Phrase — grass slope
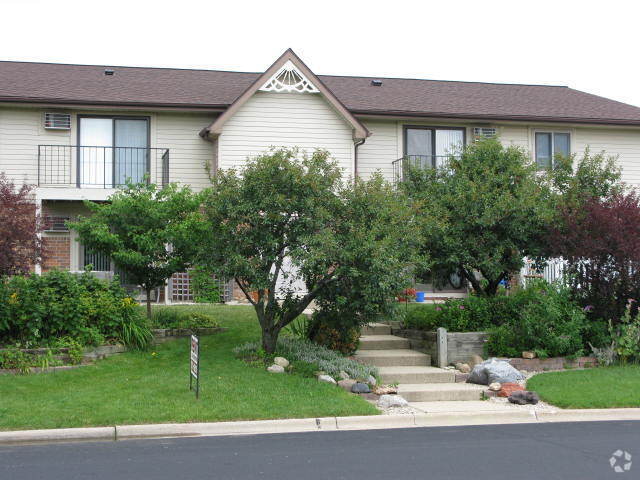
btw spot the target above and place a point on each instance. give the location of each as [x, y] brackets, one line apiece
[139, 387]
[610, 387]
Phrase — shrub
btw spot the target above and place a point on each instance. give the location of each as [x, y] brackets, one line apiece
[543, 317]
[298, 350]
[549, 323]
[42, 308]
[336, 331]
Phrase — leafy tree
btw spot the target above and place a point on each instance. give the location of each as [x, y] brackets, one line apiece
[374, 240]
[285, 221]
[575, 180]
[600, 241]
[20, 244]
[145, 230]
[485, 210]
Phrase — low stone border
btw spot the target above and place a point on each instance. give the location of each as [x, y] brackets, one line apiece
[553, 363]
[105, 351]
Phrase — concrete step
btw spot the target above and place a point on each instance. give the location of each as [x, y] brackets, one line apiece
[436, 392]
[376, 329]
[383, 342]
[414, 374]
[393, 358]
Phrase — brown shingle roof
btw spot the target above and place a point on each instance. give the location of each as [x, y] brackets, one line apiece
[85, 84]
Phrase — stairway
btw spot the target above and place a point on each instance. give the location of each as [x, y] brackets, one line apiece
[417, 380]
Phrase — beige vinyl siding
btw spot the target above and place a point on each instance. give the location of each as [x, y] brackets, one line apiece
[285, 120]
[379, 150]
[624, 143]
[515, 135]
[21, 131]
[189, 154]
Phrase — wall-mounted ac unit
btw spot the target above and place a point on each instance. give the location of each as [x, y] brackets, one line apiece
[57, 121]
[484, 132]
[55, 224]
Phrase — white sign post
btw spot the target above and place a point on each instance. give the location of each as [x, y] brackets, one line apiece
[194, 364]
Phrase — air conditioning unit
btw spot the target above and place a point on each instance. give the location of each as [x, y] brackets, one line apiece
[57, 121]
[55, 224]
[484, 132]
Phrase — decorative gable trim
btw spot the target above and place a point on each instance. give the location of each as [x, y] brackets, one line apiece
[360, 132]
[289, 79]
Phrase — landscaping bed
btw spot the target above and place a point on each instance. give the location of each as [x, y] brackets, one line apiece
[141, 387]
[605, 387]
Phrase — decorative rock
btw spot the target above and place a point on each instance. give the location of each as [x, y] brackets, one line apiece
[463, 367]
[494, 370]
[385, 390]
[326, 379]
[391, 401]
[346, 384]
[524, 397]
[529, 355]
[508, 388]
[275, 369]
[490, 394]
[283, 362]
[360, 388]
[344, 375]
[371, 380]
[495, 387]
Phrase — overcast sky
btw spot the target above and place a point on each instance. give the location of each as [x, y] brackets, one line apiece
[588, 45]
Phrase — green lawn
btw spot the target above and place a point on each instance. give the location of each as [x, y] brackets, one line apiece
[139, 387]
[606, 387]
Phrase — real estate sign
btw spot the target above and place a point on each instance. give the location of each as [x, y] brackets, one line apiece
[194, 365]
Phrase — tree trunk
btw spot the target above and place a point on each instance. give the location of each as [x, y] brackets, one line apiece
[148, 303]
[269, 340]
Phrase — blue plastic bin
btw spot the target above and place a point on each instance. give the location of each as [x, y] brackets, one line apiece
[419, 297]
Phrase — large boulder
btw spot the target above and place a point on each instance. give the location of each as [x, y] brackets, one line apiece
[391, 401]
[494, 370]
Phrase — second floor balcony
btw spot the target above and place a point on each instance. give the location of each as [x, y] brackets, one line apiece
[76, 166]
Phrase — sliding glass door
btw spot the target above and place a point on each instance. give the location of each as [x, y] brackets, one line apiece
[430, 146]
[112, 151]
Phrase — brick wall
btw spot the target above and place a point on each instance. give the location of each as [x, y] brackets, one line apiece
[58, 252]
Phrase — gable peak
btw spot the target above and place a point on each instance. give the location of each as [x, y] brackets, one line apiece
[289, 79]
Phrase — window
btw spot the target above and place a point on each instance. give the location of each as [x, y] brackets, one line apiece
[430, 146]
[112, 150]
[550, 144]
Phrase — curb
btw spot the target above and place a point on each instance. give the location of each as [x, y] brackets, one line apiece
[257, 427]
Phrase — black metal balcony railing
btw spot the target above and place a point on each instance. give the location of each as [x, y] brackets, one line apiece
[101, 167]
[402, 165]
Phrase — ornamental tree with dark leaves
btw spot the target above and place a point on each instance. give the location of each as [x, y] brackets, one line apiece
[600, 240]
[21, 247]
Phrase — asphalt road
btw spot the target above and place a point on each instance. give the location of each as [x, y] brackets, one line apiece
[564, 451]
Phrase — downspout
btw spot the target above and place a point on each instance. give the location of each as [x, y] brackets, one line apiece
[355, 158]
